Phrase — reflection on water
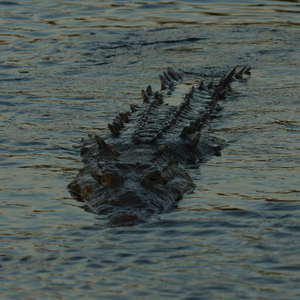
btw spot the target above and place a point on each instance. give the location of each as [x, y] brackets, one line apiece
[66, 68]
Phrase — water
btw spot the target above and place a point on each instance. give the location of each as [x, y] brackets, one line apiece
[67, 68]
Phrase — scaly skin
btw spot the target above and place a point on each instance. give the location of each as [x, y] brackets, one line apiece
[135, 170]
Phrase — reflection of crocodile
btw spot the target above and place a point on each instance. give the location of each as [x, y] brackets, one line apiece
[133, 172]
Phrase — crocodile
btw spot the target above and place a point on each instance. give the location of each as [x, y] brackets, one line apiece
[138, 168]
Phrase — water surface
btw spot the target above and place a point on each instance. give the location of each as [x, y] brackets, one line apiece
[67, 68]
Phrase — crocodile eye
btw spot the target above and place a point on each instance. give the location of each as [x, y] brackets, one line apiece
[107, 179]
[104, 180]
[159, 177]
[154, 176]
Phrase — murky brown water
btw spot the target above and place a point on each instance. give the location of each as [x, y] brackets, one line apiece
[67, 68]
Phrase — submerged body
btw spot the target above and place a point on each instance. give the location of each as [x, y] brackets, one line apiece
[136, 170]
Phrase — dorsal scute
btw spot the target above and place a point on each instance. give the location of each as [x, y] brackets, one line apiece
[102, 144]
[156, 117]
[219, 92]
[172, 74]
[240, 73]
[149, 91]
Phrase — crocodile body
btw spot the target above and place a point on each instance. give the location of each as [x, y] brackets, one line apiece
[135, 170]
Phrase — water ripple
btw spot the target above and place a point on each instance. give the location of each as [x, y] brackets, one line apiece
[66, 69]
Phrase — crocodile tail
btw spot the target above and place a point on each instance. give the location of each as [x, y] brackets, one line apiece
[240, 73]
[219, 93]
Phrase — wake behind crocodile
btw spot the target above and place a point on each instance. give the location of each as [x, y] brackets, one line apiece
[137, 169]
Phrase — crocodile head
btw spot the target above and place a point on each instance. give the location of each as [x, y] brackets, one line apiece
[130, 192]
